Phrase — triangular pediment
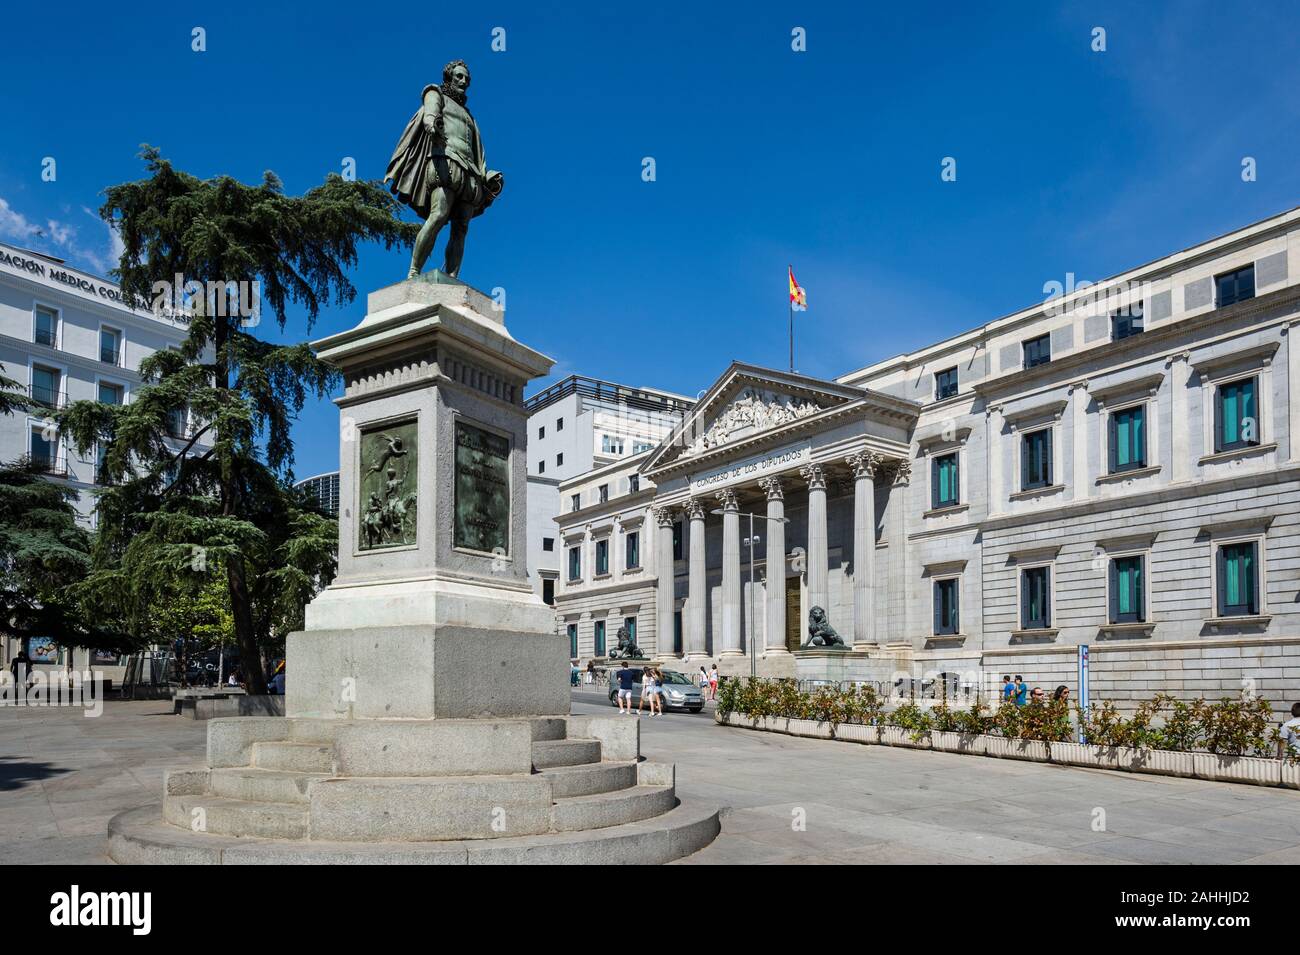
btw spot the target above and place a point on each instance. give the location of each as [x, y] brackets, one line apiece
[746, 402]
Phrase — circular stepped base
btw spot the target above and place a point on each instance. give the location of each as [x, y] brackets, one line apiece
[140, 837]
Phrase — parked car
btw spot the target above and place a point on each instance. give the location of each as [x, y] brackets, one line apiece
[678, 692]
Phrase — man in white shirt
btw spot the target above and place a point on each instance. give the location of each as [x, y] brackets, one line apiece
[1290, 733]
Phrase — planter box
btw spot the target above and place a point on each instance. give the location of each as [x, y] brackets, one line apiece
[897, 736]
[1004, 748]
[858, 733]
[949, 742]
[1083, 754]
[773, 724]
[1290, 775]
[1162, 762]
[810, 728]
[1256, 770]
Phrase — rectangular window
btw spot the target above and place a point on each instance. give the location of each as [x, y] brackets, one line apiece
[1128, 439]
[610, 444]
[1235, 286]
[1126, 590]
[945, 384]
[559, 424]
[1236, 415]
[559, 460]
[943, 481]
[633, 550]
[639, 446]
[548, 544]
[602, 558]
[110, 346]
[1126, 322]
[575, 502]
[600, 638]
[575, 563]
[548, 591]
[1035, 598]
[1238, 579]
[46, 386]
[946, 600]
[176, 422]
[629, 624]
[633, 483]
[1036, 459]
[47, 327]
[677, 540]
[541, 467]
[573, 639]
[1038, 351]
[541, 432]
[110, 394]
[602, 494]
[101, 452]
[677, 631]
[45, 453]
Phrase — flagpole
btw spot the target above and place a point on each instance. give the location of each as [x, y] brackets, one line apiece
[790, 303]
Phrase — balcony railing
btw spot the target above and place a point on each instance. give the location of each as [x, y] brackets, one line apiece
[47, 396]
[46, 337]
[110, 356]
[51, 468]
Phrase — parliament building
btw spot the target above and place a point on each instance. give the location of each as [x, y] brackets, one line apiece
[1117, 466]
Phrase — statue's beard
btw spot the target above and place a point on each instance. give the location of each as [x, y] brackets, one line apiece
[450, 89]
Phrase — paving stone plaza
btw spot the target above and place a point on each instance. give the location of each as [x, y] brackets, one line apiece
[63, 776]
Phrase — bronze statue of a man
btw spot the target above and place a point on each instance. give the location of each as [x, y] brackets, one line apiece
[437, 169]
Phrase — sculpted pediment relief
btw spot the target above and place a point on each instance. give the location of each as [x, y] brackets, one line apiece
[753, 410]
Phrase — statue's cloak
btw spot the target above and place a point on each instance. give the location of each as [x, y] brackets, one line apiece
[411, 175]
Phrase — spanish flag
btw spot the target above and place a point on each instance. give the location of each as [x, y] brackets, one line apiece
[798, 298]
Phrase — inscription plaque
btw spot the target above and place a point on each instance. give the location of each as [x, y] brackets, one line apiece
[482, 518]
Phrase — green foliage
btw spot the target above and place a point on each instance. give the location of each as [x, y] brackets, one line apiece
[1229, 727]
[43, 551]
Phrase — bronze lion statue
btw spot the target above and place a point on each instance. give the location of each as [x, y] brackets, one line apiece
[820, 631]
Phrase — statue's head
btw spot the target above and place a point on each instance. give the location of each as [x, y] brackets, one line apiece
[817, 616]
[455, 81]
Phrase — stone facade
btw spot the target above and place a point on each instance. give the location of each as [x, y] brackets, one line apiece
[1117, 467]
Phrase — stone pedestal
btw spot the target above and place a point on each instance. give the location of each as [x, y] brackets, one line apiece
[427, 697]
[431, 614]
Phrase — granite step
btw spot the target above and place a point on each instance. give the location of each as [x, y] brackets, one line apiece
[588, 778]
[549, 727]
[262, 785]
[602, 810]
[565, 752]
[294, 757]
[141, 837]
[220, 815]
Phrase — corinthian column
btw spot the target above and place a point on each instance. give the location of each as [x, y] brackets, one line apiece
[818, 553]
[775, 564]
[665, 586]
[697, 592]
[730, 572]
[865, 464]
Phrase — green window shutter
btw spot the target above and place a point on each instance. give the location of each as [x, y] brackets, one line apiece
[936, 492]
[1230, 426]
[938, 606]
[1249, 411]
[1114, 591]
[1113, 444]
[1139, 452]
[1139, 609]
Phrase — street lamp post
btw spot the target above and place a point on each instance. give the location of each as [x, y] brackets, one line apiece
[749, 542]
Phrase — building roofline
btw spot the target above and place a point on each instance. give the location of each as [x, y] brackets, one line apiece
[980, 333]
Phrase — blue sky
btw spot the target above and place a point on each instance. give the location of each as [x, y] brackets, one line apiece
[1068, 160]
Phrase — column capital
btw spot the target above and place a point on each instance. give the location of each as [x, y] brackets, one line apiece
[694, 509]
[773, 488]
[728, 500]
[663, 515]
[865, 464]
[814, 475]
[902, 472]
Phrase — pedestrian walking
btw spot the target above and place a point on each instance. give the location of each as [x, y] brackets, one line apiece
[1021, 690]
[713, 682]
[626, 677]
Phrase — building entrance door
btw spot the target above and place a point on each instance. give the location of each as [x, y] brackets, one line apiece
[793, 621]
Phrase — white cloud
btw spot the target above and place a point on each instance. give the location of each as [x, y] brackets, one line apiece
[61, 239]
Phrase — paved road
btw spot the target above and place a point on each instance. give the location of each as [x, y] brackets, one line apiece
[878, 804]
[62, 776]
